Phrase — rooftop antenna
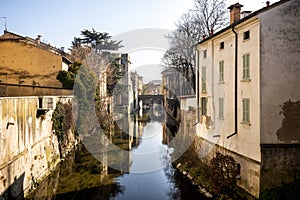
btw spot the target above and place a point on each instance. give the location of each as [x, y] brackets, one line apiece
[5, 24]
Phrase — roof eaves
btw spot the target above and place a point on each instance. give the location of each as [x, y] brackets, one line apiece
[264, 9]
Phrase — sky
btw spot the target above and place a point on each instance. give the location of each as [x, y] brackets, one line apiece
[59, 21]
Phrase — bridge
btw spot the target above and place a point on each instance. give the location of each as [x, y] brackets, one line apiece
[150, 99]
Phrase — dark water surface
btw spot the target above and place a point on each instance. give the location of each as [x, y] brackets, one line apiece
[150, 176]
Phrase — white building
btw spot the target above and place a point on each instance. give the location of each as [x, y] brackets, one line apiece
[248, 74]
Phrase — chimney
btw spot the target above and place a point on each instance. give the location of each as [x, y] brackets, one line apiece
[268, 3]
[235, 12]
[245, 14]
[62, 49]
[38, 39]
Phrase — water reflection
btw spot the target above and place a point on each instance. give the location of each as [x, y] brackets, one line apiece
[149, 174]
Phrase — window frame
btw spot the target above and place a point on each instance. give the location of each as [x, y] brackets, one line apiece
[205, 53]
[246, 111]
[222, 45]
[221, 72]
[246, 66]
[203, 80]
[203, 106]
[246, 35]
[221, 105]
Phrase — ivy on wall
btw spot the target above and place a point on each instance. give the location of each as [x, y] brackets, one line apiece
[62, 119]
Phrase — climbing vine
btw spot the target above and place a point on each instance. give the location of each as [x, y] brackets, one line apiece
[62, 119]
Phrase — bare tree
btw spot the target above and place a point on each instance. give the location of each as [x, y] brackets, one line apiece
[202, 20]
[210, 15]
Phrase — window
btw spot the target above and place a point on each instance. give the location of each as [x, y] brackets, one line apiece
[222, 45]
[221, 108]
[203, 79]
[246, 66]
[221, 71]
[204, 53]
[246, 111]
[204, 106]
[246, 35]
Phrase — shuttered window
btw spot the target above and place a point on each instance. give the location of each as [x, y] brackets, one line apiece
[246, 66]
[203, 79]
[221, 108]
[204, 105]
[221, 71]
[246, 110]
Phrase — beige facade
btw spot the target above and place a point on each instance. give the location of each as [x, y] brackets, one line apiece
[27, 61]
[234, 76]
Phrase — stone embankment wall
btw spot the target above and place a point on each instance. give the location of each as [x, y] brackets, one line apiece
[29, 148]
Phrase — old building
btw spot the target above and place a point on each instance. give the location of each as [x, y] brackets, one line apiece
[248, 94]
[29, 66]
[137, 89]
[153, 87]
[123, 94]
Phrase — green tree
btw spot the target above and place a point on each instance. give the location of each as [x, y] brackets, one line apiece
[97, 41]
[67, 78]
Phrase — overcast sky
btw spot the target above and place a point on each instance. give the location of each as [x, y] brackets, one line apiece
[59, 21]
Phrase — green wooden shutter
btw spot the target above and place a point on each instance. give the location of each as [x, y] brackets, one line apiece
[246, 110]
[244, 67]
[221, 71]
[204, 105]
[221, 108]
[248, 66]
[203, 79]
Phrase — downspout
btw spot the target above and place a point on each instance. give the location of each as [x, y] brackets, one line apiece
[235, 84]
[197, 84]
[213, 82]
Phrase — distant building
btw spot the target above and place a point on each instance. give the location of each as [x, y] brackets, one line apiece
[123, 92]
[137, 88]
[29, 62]
[248, 94]
[140, 85]
[170, 88]
[153, 87]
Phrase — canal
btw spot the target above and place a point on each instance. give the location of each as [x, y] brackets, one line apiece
[150, 173]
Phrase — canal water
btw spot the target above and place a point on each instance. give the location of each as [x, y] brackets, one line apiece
[150, 174]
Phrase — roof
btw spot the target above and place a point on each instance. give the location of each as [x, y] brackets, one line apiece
[15, 37]
[154, 82]
[264, 9]
[169, 69]
[237, 5]
[11, 36]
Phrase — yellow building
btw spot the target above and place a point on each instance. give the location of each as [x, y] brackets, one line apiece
[29, 66]
[246, 72]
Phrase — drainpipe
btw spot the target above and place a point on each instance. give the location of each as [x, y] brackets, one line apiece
[197, 84]
[235, 84]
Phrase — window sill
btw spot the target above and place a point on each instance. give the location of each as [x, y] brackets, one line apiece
[221, 82]
[246, 80]
[246, 40]
[246, 123]
[219, 118]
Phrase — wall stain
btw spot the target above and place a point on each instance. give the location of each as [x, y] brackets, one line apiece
[290, 127]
